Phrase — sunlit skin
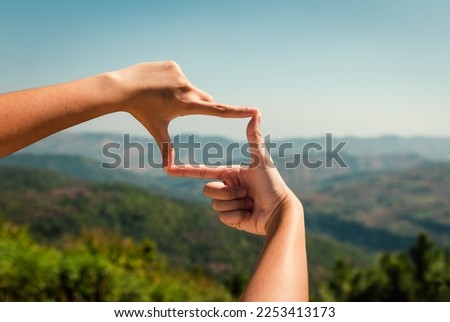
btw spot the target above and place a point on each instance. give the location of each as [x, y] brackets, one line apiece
[154, 93]
[255, 199]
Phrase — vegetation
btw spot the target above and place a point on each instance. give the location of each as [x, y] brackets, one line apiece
[96, 266]
[420, 274]
[97, 241]
[189, 234]
[90, 170]
[56, 207]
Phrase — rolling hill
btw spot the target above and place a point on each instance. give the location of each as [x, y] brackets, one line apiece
[90, 144]
[188, 234]
[386, 210]
[388, 153]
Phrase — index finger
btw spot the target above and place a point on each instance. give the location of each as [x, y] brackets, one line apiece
[221, 110]
[199, 172]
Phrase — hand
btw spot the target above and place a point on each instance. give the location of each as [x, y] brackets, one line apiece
[249, 198]
[156, 93]
[257, 200]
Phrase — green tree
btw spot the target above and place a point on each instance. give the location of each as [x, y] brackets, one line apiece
[419, 274]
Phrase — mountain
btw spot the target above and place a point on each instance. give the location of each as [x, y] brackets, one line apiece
[90, 145]
[385, 210]
[300, 179]
[140, 156]
[338, 206]
[432, 148]
[89, 169]
[189, 234]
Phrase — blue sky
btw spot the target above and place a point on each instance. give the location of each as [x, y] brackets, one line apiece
[362, 68]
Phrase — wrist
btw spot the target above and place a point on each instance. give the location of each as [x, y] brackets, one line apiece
[289, 215]
[114, 89]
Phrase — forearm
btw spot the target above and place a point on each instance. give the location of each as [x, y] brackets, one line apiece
[29, 115]
[281, 273]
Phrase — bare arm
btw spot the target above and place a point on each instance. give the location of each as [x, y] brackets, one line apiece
[256, 200]
[281, 273]
[29, 115]
[154, 93]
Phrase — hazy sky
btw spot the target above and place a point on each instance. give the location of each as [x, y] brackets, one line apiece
[361, 68]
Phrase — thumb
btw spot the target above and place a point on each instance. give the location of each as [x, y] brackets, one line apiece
[162, 138]
[256, 141]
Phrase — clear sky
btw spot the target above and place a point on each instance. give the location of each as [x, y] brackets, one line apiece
[362, 68]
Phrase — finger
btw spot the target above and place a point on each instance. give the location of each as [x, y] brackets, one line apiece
[221, 110]
[218, 190]
[199, 172]
[234, 218]
[162, 138]
[256, 141]
[254, 134]
[229, 205]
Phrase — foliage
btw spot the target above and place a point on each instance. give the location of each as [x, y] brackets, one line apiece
[420, 274]
[96, 266]
[188, 234]
[67, 254]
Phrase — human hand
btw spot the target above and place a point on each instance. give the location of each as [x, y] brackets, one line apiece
[248, 198]
[156, 93]
[257, 200]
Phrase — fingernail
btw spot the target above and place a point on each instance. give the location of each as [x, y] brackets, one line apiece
[258, 118]
[241, 193]
[249, 203]
[253, 110]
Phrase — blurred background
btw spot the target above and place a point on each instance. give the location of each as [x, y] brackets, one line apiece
[375, 74]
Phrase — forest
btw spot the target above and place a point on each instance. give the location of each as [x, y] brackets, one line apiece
[68, 239]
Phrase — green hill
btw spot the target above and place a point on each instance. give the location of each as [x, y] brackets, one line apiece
[96, 266]
[55, 206]
[89, 169]
[386, 210]
[348, 206]
[300, 179]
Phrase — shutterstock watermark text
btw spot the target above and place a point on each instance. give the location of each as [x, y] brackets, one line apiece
[312, 155]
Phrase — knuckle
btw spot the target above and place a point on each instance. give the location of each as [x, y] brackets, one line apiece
[170, 64]
[257, 133]
[214, 204]
[209, 190]
[202, 173]
[219, 108]
[232, 194]
[182, 83]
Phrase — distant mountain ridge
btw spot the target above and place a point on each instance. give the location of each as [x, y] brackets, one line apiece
[90, 144]
[361, 155]
[384, 210]
[346, 207]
